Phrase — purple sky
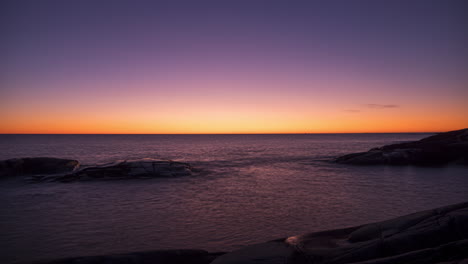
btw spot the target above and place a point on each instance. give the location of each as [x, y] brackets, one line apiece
[340, 56]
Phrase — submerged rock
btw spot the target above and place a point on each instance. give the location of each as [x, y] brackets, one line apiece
[146, 168]
[41, 165]
[429, 237]
[441, 149]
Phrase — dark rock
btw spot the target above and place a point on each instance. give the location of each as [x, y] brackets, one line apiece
[31, 166]
[429, 237]
[441, 149]
[273, 252]
[185, 256]
[145, 168]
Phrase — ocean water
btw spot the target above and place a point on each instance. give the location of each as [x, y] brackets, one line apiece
[251, 188]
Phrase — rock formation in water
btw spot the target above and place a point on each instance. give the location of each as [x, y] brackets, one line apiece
[32, 166]
[441, 149]
[146, 168]
[65, 170]
[438, 236]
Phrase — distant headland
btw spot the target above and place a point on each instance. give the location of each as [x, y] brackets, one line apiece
[441, 149]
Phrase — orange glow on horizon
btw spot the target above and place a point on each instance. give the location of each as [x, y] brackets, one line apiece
[267, 109]
[231, 122]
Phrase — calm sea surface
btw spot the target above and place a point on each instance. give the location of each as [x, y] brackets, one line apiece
[252, 188]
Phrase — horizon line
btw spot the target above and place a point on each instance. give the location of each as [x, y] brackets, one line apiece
[305, 133]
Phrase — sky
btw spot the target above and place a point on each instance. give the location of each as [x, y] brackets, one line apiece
[230, 66]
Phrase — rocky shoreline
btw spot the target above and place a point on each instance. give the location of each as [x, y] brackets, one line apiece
[438, 150]
[437, 236]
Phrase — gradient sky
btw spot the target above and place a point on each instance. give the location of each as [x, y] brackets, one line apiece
[233, 66]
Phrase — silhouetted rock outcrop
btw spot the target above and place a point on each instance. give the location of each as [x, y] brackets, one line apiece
[441, 149]
[145, 168]
[31, 166]
[66, 170]
[429, 237]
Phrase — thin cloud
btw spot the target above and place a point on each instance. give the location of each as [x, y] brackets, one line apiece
[352, 110]
[381, 106]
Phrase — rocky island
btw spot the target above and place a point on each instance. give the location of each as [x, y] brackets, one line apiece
[65, 170]
[34, 166]
[440, 149]
[437, 236]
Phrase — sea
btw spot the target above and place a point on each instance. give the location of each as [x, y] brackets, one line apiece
[249, 189]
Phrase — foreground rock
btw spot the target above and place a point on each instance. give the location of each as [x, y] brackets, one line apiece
[438, 236]
[441, 149]
[146, 168]
[31, 166]
[186, 256]
[428, 237]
